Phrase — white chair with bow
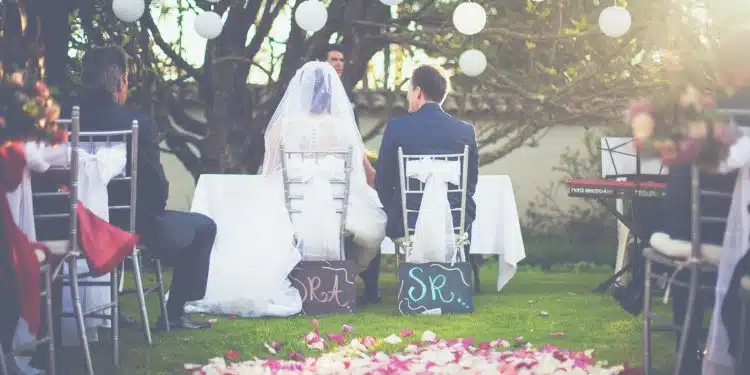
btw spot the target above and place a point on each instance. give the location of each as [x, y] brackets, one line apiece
[316, 190]
[96, 162]
[434, 231]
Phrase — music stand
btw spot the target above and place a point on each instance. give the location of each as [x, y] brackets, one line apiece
[621, 159]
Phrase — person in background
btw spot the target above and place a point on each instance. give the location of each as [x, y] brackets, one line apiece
[185, 239]
[334, 55]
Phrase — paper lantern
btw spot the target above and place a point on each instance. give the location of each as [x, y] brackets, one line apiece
[469, 18]
[614, 21]
[311, 15]
[472, 62]
[208, 25]
[391, 2]
[128, 10]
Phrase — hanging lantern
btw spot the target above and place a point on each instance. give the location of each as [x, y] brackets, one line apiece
[128, 10]
[391, 2]
[311, 15]
[472, 62]
[469, 18]
[208, 25]
[614, 21]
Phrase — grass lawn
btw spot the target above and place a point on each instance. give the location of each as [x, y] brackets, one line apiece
[588, 321]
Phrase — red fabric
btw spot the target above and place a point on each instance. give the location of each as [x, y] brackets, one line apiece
[25, 263]
[104, 245]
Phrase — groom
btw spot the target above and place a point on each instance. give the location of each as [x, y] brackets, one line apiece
[427, 129]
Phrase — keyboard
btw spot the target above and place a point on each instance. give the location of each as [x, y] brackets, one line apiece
[615, 189]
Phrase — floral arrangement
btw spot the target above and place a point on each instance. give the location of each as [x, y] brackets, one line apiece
[429, 354]
[373, 158]
[27, 111]
[681, 128]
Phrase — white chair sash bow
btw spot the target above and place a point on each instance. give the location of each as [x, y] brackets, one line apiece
[434, 239]
[95, 171]
[318, 224]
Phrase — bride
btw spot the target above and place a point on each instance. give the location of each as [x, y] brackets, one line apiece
[249, 278]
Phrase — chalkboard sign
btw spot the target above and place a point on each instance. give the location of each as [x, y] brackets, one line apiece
[326, 287]
[435, 288]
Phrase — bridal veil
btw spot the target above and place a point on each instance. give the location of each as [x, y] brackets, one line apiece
[315, 115]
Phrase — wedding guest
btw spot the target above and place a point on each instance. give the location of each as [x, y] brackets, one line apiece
[723, 352]
[334, 55]
[677, 225]
[184, 239]
[427, 129]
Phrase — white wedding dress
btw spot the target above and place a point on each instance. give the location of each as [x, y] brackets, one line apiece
[248, 277]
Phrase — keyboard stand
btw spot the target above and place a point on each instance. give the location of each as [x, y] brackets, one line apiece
[638, 234]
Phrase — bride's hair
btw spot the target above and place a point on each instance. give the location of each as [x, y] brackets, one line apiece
[321, 97]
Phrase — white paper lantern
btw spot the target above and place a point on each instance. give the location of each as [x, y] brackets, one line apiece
[311, 15]
[469, 18]
[208, 25]
[128, 10]
[391, 2]
[614, 21]
[472, 62]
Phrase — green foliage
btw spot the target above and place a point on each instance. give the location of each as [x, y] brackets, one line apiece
[583, 233]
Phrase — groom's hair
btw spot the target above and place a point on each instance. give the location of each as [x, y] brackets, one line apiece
[323, 56]
[432, 81]
[103, 67]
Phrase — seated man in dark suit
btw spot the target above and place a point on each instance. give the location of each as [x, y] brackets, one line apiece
[426, 130]
[183, 238]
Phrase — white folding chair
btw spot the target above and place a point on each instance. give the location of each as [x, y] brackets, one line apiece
[68, 244]
[411, 186]
[44, 339]
[340, 186]
[699, 258]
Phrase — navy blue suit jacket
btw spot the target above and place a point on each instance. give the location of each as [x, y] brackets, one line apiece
[428, 131]
[100, 113]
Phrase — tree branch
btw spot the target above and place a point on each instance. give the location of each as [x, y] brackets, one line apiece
[184, 120]
[179, 146]
[149, 23]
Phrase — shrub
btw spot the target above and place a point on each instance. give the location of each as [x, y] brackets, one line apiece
[583, 233]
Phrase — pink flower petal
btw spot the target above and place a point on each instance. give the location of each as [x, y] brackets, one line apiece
[315, 322]
[369, 341]
[296, 356]
[337, 338]
[346, 328]
[406, 333]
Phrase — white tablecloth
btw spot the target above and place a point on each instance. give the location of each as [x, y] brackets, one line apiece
[496, 229]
